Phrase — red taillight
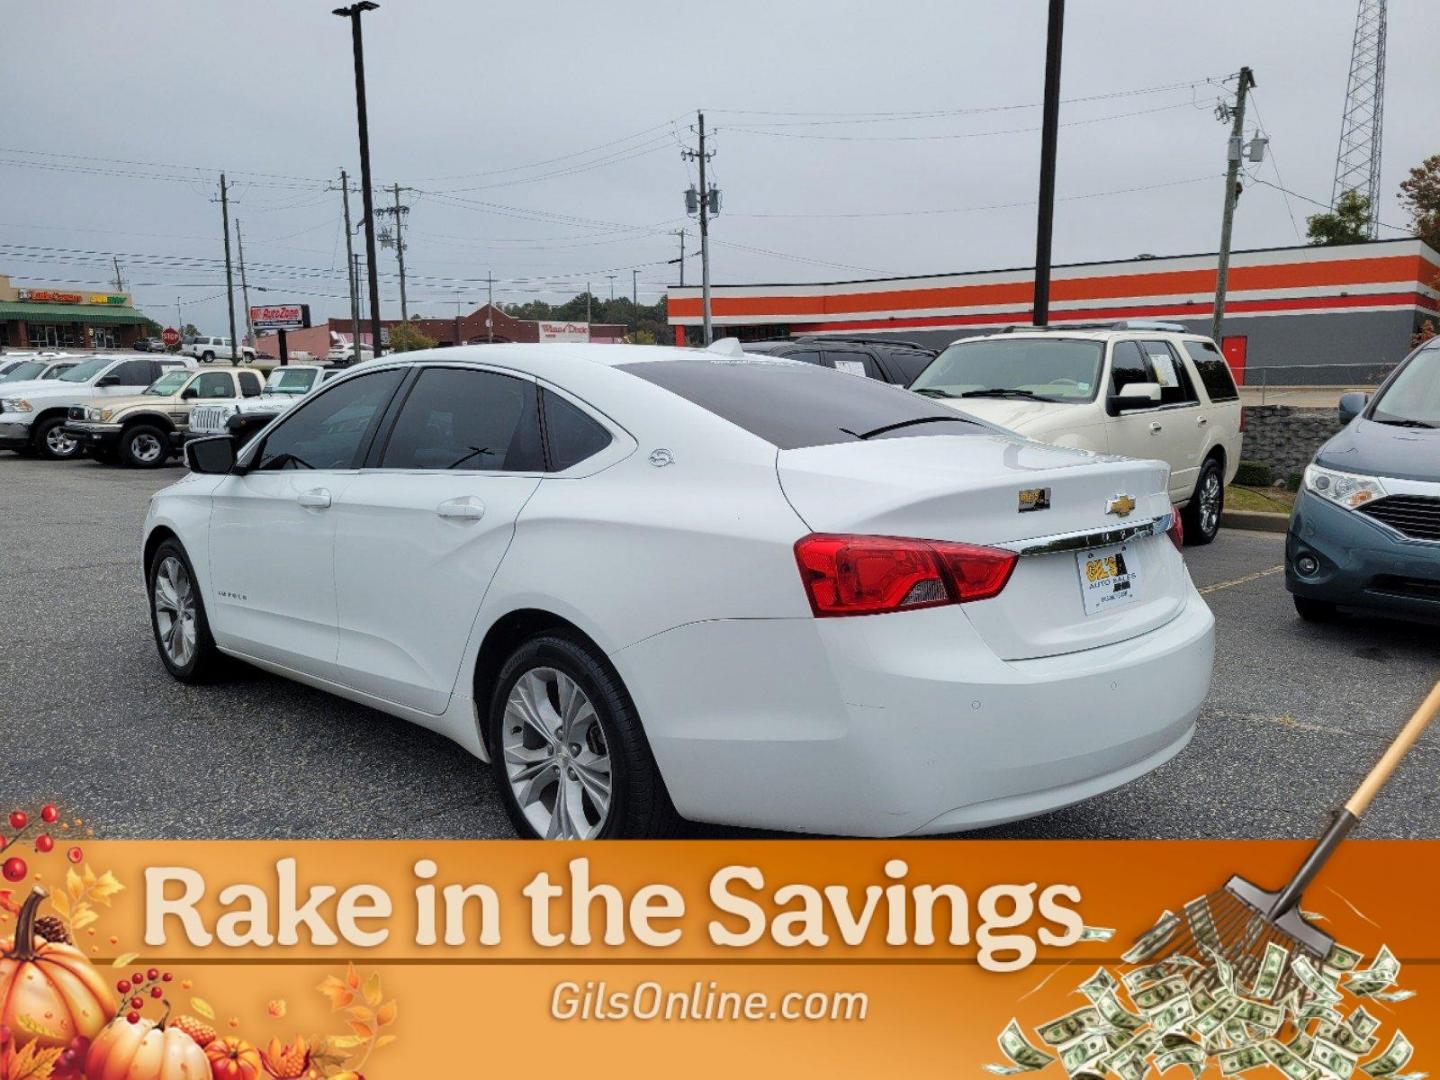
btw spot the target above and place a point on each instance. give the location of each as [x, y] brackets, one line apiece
[1176, 532]
[867, 575]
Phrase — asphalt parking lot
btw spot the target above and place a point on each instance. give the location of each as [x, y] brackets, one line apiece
[90, 719]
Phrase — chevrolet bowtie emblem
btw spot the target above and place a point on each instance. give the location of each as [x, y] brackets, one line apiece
[1120, 506]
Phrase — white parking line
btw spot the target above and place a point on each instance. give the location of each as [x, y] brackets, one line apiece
[1241, 580]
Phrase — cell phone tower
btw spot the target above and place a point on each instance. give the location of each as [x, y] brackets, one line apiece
[1357, 164]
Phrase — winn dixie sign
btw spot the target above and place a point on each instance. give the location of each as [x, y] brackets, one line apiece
[280, 316]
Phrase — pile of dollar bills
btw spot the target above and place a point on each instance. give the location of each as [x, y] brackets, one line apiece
[1195, 1011]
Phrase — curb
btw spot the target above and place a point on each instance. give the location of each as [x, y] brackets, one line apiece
[1255, 520]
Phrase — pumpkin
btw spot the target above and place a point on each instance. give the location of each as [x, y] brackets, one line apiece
[233, 1059]
[49, 993]
[145, 1050]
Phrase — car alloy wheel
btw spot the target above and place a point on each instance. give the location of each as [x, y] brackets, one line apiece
[145, 448]
[59, 444]
[175, 611]
[557, 760]
[1210, 495]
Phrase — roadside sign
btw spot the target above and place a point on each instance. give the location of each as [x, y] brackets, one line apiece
[170, 336]
[280, 316]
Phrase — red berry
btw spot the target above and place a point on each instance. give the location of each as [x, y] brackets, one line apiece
[49, 814]
[133, 1017]
[19, 819]
[15, 869]
[44, 844]
[137, 1003]
[138, 978]
[123, 986]
[156, 992]
[75, 854]
[152, 974]
[166, 977]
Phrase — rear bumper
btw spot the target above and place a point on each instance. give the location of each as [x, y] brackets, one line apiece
[906, 724]
[1362, 564]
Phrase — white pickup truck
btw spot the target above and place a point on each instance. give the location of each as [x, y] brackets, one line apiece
[285, 386]
[209, 349]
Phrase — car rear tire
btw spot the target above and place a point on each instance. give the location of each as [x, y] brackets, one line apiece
[207, 358]
[1201, 515]
[567, 748]
[51, 441]
[144, 446]
[1316, 611]
[177, 617]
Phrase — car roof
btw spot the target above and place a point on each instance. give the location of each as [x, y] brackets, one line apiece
[1087, 334]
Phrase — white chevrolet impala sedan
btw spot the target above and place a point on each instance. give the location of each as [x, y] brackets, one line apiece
[652, 584]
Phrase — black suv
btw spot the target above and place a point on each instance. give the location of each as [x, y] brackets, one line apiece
[897, 362]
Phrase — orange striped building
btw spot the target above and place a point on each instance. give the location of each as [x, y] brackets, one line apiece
[1294, 311]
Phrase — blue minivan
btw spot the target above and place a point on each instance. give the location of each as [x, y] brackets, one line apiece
[1365, 532]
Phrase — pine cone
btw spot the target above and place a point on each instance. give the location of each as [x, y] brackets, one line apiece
[52, 929]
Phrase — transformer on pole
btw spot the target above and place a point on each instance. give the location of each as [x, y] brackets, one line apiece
[1357, 163]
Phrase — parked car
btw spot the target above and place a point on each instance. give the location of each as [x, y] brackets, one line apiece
[146, 430]
[284, 387]
[1365, 531]
[1139, 389]
[343, 353]
[209, 349]
[149, 344]
[9, 364]
[885, 359]
[645, 582]
[35, 370]
[33, 414]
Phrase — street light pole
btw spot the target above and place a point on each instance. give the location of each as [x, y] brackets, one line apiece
[1049, 131]
[353, 13]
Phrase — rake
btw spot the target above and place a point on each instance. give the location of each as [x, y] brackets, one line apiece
[1239, 921]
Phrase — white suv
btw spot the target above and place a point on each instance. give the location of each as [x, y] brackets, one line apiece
[1137, 389]
[33, 414]
[209, 349]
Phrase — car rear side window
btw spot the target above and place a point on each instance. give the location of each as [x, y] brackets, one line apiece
[1213, 370]
[458, 418]
[330, 431]
[570, 435]
[1175, 385]
[906, 364]
[795, 405]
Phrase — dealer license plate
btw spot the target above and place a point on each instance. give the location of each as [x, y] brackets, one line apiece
[1109, 577]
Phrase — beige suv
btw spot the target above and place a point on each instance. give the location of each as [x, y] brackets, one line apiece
[145, 430]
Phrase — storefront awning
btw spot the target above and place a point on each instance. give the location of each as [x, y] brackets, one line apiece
[21, 311]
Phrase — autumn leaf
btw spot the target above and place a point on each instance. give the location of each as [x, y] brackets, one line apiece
[386, 1013]
[352, 977]
[384, 1040]
[340, 1043]
[73, 884]
[124, 959]
[203, 1007]
[339, 994]
[35, 1027]
[59, 901]
[83, 917]
[33, 1063]
[105, 887]
[88, 876]
[372, 989]
[7, 902]
[365, 1031]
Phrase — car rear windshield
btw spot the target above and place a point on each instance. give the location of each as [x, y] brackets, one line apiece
[1048, 369]
[792, 405]
[290, 382]
[169, 383]
[1413, 398]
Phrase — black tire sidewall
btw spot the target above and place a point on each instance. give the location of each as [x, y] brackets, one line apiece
[611, 703]
[206, 655]
[1191, 514]
[128, 435]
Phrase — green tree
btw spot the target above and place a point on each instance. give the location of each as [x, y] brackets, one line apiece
[407, 338]
[1420, 196]
[1348, 223]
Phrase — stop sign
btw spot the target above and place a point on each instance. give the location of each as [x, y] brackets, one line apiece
[170, 336]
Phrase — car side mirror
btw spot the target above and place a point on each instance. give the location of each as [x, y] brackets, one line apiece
[189, 394]
[215, 455]
[1137, 395]
[1352, 405]
[109, 380]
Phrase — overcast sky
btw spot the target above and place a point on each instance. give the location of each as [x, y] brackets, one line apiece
[544, 138]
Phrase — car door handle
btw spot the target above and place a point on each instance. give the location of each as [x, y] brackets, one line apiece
[466, 508]
[318, 498]
[1155, 428]
[1201, 421]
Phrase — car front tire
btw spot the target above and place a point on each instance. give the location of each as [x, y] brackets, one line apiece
[144, 446]
[1201, 516]
[51, 441]
[177, 617]
[568, 751]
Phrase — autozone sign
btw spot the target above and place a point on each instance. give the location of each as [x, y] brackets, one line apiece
[280, 316]
[563, 331]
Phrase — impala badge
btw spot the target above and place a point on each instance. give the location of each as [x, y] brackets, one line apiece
[1032, 499]
[1120, 506]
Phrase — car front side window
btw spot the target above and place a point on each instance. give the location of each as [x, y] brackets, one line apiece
[331, 431]
[213, 384]
[1128, 365]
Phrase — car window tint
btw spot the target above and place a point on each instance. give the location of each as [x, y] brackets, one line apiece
[250, 385]
[794, 405]
[1128, 365]
[906, 364]
[852, 362]
[329, 431]
[1170, 373]
[134, 373]
[805, 356]
[1213, 370]
[455, 418]
[213, 384]
[570, 435]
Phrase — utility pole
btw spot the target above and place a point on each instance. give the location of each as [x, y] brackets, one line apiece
[1232, 193]
[635, 297]
[587, 311]
[353, 13]
[179, 318]
[399, 213]
[489, 307]
[119, 281]
[681, 233]
[1049, 132]
[706, 203]
[229, 273]
[244, 285]
[350, 268]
